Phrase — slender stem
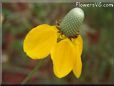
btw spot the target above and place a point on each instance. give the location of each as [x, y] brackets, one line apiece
[32, 73]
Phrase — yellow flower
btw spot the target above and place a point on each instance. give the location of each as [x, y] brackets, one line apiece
[65, 52]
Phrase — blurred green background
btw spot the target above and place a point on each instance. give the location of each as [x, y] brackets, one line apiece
[97, 31]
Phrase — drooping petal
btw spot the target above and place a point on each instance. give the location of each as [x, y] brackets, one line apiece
[62, 56]
[39, 41]
[78, 42]
[77, 69]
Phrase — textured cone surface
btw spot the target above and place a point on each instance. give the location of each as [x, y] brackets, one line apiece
[71, 22]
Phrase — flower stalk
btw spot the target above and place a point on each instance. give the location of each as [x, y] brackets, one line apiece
[33, 72]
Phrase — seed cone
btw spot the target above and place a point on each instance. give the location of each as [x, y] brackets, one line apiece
[71, 22]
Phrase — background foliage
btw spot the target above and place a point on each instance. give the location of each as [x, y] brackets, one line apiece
[97, 31]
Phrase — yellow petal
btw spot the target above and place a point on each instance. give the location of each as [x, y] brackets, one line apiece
[77, 69]
[63, 58]
[78, 42]
[39, 41]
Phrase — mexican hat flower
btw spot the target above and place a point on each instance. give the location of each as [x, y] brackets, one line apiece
[63, 43]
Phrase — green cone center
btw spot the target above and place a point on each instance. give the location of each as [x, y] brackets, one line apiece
[71, 23]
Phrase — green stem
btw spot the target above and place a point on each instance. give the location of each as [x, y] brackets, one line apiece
[32, 73]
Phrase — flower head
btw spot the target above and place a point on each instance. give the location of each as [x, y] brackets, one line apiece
[65, 49]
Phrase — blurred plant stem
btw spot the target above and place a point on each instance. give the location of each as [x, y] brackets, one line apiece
[32, 73]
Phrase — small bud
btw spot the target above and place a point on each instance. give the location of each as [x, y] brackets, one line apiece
[71, 22]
